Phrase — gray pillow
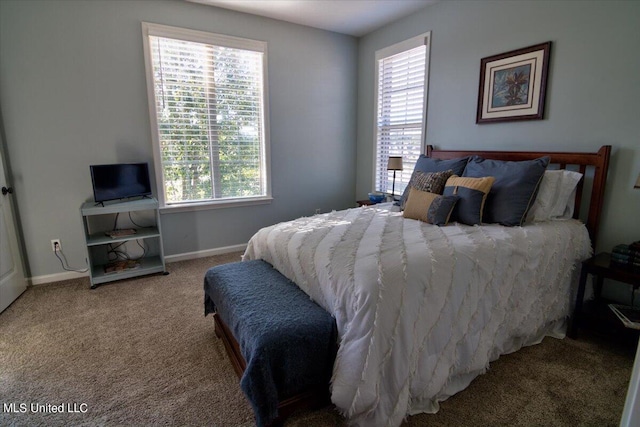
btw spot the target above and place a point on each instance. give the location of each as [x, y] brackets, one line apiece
[427, 164]
[514, 189]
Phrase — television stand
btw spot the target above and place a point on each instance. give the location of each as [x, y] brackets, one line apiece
[98, 230]
[128, 199]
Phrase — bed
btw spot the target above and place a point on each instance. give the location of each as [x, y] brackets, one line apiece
[421, 310]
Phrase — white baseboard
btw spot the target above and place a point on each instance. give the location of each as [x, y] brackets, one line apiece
[57, 277]
[68, 275]
[202, 254]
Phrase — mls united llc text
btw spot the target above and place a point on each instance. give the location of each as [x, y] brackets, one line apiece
[44, 408]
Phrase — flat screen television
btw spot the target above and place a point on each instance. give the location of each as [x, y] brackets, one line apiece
[120, 181]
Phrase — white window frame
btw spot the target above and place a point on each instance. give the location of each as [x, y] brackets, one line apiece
[422, 39]
[150, 29]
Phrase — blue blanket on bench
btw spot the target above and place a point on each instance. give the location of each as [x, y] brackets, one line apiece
[287, 340]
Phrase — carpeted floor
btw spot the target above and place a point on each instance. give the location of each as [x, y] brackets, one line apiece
[141, 352]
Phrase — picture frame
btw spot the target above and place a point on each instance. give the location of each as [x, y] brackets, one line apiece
[513, 85]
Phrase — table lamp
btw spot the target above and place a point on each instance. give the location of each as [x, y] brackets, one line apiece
[394, 164]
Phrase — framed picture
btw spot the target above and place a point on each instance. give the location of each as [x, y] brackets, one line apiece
[513, 85]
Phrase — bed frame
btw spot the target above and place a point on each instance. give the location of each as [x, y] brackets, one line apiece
[598, 161]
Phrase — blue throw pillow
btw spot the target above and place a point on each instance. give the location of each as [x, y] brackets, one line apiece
[514, 190]
[440, 210]
[427, 164]
[429, 207]
[472, 194]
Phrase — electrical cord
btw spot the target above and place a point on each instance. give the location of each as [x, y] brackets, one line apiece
[119, 254]
[122, 254]
[65, 263]
[115, 222]
[134, 223]
[144, 249]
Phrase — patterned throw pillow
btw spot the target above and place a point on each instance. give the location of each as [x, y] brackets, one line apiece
[429, 207]
[472, 193]
[431, 182]
[427, 164]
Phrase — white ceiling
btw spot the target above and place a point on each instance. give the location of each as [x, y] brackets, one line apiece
[353, 17]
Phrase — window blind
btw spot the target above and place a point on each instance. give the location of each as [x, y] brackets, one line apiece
[400, 113]
[209, 106]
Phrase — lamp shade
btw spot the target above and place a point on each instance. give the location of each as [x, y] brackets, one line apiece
[635, 186]
[394, 163]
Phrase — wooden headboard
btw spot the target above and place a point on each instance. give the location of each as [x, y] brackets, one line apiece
[599, 161]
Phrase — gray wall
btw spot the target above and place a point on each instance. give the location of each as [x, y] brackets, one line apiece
[592, 94]
[73, 93]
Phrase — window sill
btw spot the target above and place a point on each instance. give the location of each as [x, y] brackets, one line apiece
[218, 204]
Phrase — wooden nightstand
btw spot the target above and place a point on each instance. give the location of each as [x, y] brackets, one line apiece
[601, 267]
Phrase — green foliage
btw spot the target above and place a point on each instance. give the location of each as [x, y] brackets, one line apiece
[209, 120]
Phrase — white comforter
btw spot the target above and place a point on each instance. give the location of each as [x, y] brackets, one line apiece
[421, 310]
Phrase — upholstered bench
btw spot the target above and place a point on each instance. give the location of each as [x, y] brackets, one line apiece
[282, 345]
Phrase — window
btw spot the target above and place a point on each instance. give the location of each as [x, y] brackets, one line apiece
[207, 102]
[401, 91]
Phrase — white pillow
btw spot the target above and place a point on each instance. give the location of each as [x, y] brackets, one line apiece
[556, 196]
[565, 203]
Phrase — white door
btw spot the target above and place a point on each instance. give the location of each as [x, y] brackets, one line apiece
[12, 282]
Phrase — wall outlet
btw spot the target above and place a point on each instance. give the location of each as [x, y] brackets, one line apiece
[55, 242]
[317, 211]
